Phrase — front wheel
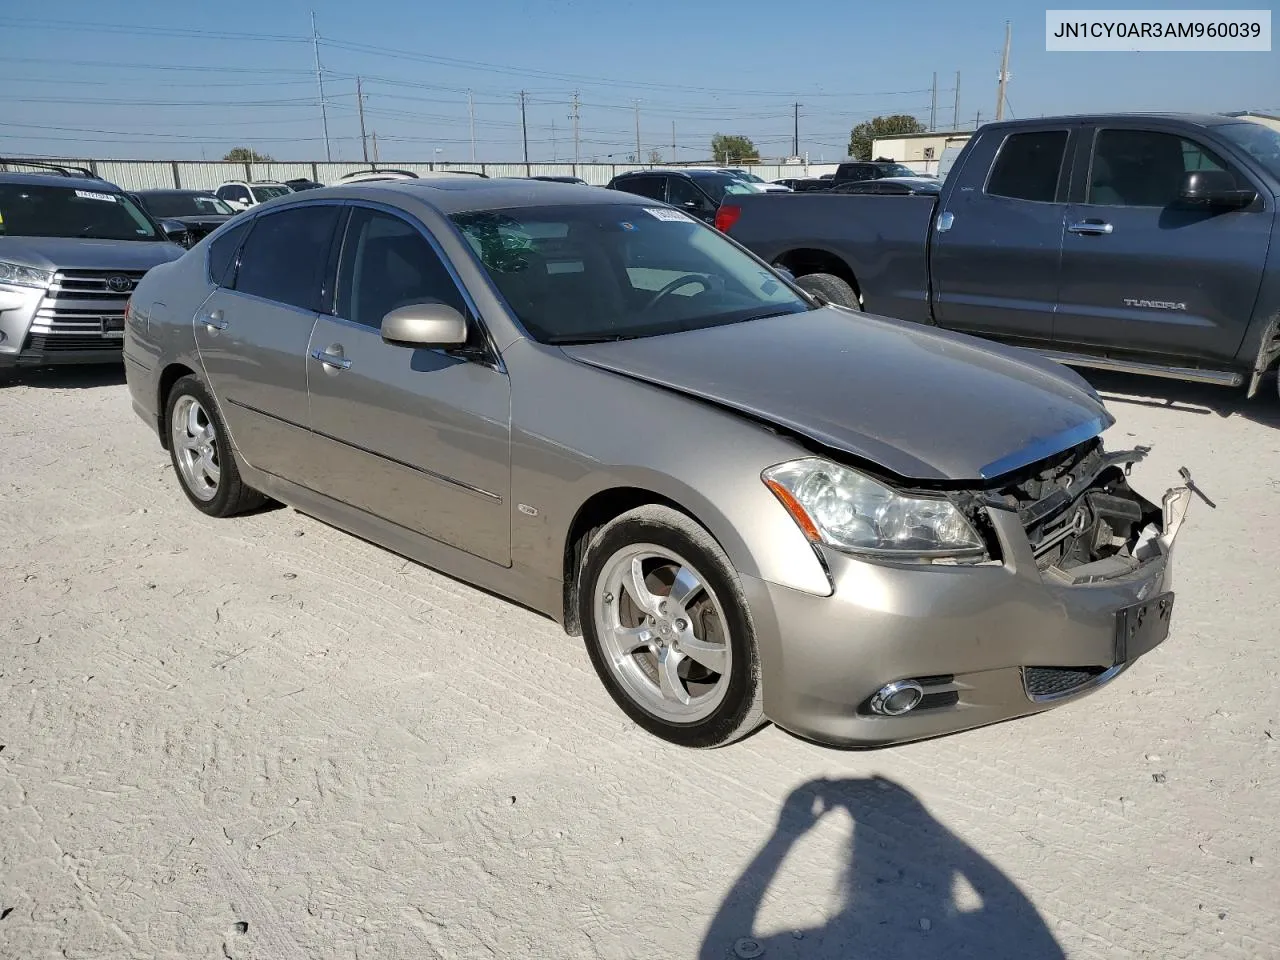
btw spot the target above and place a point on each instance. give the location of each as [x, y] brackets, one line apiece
[668, 631]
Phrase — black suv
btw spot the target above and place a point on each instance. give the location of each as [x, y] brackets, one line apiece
[697, 192]
[871, 170]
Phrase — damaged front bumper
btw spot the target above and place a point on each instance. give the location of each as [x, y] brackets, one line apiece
[985, 643]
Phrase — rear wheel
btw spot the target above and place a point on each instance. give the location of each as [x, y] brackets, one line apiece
[830, 288]
[667, 629]
[199, 446]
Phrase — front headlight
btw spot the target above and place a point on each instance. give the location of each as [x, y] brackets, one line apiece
[23, 276]
[849, 511]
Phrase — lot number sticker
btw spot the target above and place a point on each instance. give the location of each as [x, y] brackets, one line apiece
[89, 195]
[659, 213]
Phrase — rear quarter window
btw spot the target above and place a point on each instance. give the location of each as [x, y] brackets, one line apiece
[222, 252]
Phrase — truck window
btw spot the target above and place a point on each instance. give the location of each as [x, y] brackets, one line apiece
[1143, 168]
[1028, 166]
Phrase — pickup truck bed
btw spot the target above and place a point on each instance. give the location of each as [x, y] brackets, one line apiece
[1136, 242]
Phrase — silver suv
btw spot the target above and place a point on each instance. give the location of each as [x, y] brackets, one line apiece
[72, 248]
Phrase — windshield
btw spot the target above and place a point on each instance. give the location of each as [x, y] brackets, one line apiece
[184, 205]
[577, 274]
[1259, 142]
[717, 185]
[29, 210]
[895, 170]
[263, 194]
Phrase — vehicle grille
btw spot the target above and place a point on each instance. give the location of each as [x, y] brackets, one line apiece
[81, 304]
[47, 343]
[1050, 682]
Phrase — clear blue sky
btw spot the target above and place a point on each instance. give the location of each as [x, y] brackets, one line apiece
[74, 87]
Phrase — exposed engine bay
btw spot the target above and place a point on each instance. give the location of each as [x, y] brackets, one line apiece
[1083, 520]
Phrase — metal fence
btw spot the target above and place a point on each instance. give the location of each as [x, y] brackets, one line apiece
[197, 175]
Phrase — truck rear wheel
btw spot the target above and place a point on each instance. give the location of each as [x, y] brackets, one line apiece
[830, 288]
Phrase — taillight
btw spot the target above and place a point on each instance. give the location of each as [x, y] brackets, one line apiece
[727, 216]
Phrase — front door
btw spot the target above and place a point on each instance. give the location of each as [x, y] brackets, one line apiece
[1142, 274]
[419, 437]
[253, 331]
[996, 246]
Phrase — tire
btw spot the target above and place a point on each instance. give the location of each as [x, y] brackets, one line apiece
[199, 448]
[830, 288]
[666, 678]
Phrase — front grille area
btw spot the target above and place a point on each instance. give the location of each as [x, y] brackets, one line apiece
[1050, 682]
[81, 304]
[47, 343]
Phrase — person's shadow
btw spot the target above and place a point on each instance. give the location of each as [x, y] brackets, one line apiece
[898, 888]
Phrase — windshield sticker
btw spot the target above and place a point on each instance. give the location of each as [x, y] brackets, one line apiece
[660, 213]
[88, 195]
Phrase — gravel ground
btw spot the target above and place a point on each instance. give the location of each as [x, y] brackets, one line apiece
[263, 739]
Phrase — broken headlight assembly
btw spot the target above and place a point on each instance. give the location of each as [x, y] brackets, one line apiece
[851, 512]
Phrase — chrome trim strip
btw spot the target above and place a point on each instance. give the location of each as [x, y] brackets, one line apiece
[1225, 378]
[416, 469]
[1105, 677]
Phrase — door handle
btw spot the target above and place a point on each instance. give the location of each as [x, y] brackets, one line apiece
[214, 321]
[1090, 228]
[331, 359]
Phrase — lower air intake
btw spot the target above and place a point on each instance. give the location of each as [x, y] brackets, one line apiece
[1048, 683]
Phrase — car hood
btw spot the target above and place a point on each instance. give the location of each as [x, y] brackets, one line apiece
[71, 253]
[918, 402]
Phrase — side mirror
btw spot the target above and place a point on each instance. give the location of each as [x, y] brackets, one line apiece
[425, 325]
[1217, 189]
[176, 231]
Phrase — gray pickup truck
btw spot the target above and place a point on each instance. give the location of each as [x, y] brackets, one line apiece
[1143, 243]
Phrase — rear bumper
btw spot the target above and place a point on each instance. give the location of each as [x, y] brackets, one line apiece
[988, 643]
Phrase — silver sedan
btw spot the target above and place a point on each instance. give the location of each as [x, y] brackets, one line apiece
[751, 504]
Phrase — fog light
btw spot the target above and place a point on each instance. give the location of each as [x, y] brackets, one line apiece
[895, 699]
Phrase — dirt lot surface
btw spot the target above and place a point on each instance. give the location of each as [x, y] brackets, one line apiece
[263, 739]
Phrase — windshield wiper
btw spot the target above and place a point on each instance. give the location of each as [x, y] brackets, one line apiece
[591, 338]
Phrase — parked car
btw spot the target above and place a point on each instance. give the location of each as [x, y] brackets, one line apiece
[891, 186]
[303, 183]
[593, 404]
[198, 211]
[813, 185]
[870, 170]
[559, 179]
[243, 194]
[72, 248]
[1143, 243]
[697, 192]
[752, 180]
[387, 173]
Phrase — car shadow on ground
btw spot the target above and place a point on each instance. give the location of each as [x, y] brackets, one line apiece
[64, 378]
[1194, 398]
[910, 888]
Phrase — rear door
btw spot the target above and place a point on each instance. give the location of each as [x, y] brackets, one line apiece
[653, 186]
[253, 331]
[997, 243]
[419, 437]
[1142, 274]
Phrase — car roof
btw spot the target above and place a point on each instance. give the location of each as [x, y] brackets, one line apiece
[467, 194]
[1196, 119]
[58, 180]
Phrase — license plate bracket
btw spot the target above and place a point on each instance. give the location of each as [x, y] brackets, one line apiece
[1141, 627]
[113, 328]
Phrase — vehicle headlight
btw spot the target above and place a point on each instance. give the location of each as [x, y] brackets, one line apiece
[850, 511]
[23, 276]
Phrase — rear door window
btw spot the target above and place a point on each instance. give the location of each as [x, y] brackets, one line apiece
[1029, 166]
[285, 257]
[222, 252]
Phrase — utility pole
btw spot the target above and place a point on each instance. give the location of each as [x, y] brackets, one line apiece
[977, 121]
[933, 105]
[471, 116]
[795, 136]
[673, 141]
[1004, 72]
[375, 148]
[639, 159]
[554, 156]
[364, 142]
[955, 114]
[576, 156]
[324, 116]
[524, 131]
